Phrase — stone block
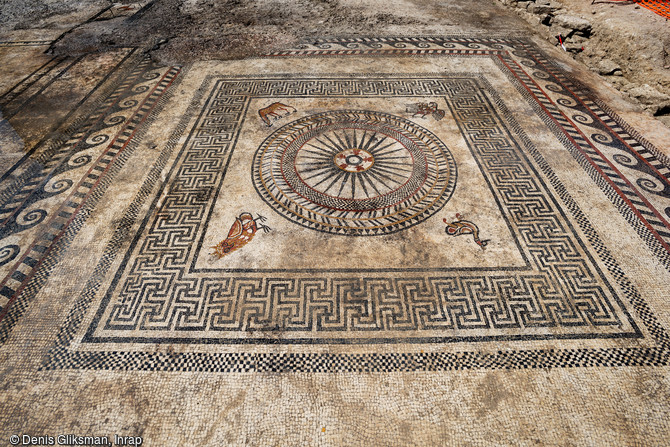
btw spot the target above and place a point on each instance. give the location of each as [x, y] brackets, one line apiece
[556, 30]
[608, 67]
[539, 9]
[573, 47]
[647, 95]
[574, 23]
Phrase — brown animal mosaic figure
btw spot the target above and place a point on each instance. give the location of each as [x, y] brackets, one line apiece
[274, 112]
[241, 233]
[422, 109]
[461, 226]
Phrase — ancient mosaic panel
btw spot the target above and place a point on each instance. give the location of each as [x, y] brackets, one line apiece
[321, 213]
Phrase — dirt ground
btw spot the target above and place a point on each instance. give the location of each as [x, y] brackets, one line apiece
[638, 41]
[188, 30]
[628, 45]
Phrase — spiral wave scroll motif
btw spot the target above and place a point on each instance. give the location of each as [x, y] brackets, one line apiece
[354, 172]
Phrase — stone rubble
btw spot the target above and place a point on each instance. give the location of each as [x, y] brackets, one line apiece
[583, 39]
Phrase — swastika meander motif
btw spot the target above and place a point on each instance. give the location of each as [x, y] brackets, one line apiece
[156, 296]
[354, 172]
[561, 291]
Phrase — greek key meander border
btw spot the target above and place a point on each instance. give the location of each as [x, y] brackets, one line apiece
[656, 356]
[416, 84]
[631, 204]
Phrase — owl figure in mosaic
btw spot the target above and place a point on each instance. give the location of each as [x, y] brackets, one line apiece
[422, 109]
[241, 233]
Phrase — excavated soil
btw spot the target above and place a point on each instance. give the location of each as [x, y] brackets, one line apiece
[628, 45]
[183, 31]
[188, 30]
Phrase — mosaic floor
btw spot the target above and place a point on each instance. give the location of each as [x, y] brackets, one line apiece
[383, 241]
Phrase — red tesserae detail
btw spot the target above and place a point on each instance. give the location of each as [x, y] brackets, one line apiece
[240, 234]
[461, 226]
[423, 109]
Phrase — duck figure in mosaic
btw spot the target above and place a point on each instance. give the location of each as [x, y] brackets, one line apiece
[241, 233]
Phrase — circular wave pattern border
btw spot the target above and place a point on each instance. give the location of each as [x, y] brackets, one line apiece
[296, 172]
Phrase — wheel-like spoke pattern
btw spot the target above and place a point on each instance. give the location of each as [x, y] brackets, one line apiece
[354, 172]
[366, 156]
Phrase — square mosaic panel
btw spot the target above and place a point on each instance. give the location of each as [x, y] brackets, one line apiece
[354, 175]
[345, 222]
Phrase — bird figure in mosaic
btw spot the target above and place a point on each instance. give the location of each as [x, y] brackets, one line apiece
[241, 233]
[422, 109]
[461, 226]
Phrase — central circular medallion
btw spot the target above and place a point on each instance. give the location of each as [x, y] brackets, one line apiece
[354, 160]
[354, 172]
